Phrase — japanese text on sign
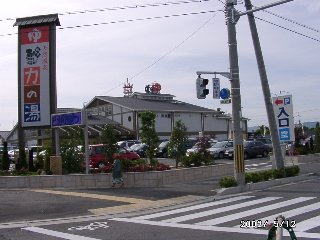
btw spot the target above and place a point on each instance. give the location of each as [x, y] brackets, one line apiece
[283, 110]
[35, 76]
[216, 88]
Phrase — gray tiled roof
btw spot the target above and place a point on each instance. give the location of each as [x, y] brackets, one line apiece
[35, 20]
[143, 105]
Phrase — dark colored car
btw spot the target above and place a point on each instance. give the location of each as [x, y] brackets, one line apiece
[141, 149]
[252, 149]
[162, 149]
[98, 158]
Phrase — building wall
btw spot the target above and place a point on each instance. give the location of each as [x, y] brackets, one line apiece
[191, 120]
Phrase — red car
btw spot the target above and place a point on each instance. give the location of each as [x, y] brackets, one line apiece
[98, 158]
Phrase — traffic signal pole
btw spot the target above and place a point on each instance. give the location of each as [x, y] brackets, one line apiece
[231, 19]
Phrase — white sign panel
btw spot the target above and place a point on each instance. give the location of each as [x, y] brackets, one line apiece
[283, 110]
[35, 90]
[216, 88]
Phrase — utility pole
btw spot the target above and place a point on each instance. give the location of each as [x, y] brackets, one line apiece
[231, 19]
[278, 162]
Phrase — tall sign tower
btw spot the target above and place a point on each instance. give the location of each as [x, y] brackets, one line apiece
[37, 95]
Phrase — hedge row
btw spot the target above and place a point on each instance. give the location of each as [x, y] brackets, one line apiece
[229, 181]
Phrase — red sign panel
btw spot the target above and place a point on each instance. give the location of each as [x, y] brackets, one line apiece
[35, 35]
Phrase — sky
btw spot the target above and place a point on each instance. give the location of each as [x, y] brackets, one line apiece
[110, 45]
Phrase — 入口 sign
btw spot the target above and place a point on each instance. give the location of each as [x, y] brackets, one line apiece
[283, 110]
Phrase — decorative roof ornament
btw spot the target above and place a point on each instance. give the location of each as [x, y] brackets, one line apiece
[127, 88]
[155, 88]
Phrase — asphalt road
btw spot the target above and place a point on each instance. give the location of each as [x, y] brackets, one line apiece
[181, 211]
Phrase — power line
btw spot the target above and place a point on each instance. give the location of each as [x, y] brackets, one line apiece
[288, 29]
[138, 19]
[135, 6]
[292, 21]
[173, 49]
[124, 21]
[166, 54]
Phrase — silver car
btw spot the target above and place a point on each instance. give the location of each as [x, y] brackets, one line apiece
[218, 150]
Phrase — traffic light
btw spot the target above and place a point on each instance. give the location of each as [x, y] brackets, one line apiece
[202, 90]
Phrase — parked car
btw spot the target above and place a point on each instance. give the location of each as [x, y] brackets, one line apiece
[251, 149]
[127, 144]
[197, 147]
[141, 149]
[266, 141]
[218, 150]
[98, 158]
[162, 149]
[189, 144]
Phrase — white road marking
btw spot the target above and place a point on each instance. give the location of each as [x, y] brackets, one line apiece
[213, 228]
[308, 224]
[219, 210]
[293, 212]
[58, 234]
[254, 211]
[195, 207]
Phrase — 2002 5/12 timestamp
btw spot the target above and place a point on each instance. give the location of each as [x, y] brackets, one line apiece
[253, 223]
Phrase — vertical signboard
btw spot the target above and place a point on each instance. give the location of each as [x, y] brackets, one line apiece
[34, 79]
[216, 88]
[283, 110]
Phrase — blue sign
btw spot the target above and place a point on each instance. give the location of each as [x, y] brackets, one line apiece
[224, 93]
[284, 134]
[66, 119]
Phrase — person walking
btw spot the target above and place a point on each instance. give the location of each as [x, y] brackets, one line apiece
[117, 176]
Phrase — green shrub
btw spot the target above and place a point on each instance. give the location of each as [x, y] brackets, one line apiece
[292, 171]
[196, 160]
[228, 181]
[253, 177]
[278, 173]
[127, 163]
[266, 175]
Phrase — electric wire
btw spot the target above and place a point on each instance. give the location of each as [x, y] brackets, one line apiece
[126, 21]
[139, 19]
[135, 6]
[292, 21]
[166, 54]
[288, 29]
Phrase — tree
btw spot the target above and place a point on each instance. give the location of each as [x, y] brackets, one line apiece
[317, 138]
[109, 139]
[5, 164]
[262, 131]
[178, 141]
[72, 157]
[148, 134]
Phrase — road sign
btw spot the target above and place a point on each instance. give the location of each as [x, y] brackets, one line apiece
[225, 101]
[216, 88]
[225, 93]
[283, 110]
[66, 119]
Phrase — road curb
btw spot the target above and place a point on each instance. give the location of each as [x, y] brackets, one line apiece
[263, 185]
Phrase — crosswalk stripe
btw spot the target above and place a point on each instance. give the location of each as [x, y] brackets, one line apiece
[195, 207]
[308, 224]
[291, 213]
[213, 228]
[219, 210]
[254, 211]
